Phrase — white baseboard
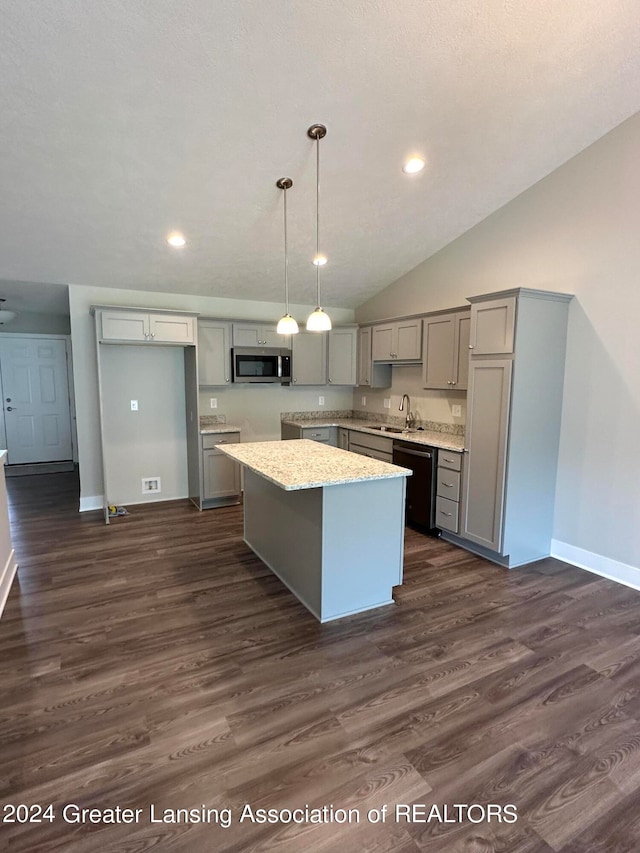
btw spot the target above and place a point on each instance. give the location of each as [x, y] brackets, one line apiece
[604, 566]
[92, 502]
[6, 578]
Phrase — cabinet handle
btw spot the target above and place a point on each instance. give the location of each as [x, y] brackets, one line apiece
[471, 346]
[222, 441]
[448, 382]
[448, 485]
[453, 383]
[330, 380]
[153, 334]
[446, 459]
[448, 514]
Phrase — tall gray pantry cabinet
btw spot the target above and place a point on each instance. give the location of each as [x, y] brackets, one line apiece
[516, 374]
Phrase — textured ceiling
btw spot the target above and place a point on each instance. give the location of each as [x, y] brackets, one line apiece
[124, 119]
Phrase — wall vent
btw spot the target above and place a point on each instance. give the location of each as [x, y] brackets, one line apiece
[151, 485]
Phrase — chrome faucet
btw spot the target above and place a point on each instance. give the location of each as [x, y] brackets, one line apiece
[409, 421]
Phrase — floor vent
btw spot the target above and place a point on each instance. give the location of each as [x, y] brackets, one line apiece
[150, 485]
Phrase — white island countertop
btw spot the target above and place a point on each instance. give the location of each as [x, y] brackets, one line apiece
[305, 464]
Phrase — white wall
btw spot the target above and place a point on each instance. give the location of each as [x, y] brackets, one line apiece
[151, 442]
[259, 414]
[576, 231]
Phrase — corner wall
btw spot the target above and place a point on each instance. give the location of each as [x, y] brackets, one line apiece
[576, 231]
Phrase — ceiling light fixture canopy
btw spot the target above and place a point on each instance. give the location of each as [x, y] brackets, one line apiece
[318, 320]
[287, 324]
[5, 315]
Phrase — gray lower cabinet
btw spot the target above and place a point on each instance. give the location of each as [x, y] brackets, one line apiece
[375, 446]
[512, 436]
[323, 434]
[343, 438]
[220, 473]
[448, 479]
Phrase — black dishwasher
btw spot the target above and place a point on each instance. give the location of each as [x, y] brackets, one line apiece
[421, 486]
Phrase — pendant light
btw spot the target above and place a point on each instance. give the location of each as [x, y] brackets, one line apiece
[6, 316]
[318, 320]
[286, 324]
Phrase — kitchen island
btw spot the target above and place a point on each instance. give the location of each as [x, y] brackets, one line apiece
[328, 523]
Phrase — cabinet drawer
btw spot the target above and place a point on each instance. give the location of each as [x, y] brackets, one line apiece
[372, 442]
[317, 434]
[371, 452]
[448, 484]
[449, 459]
[214, 439]
[447, 514]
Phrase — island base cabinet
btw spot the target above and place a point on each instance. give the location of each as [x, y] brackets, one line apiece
[339, 549]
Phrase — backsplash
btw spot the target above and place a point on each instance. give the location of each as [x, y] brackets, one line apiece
[371, 417]
[212, 420]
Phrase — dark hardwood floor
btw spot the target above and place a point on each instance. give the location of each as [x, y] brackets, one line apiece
[157, 661]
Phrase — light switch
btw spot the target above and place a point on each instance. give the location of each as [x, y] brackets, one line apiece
[321, 401]
[387, 402]
[213, 402]
[456, 411]
[134, 405]
[364, 400]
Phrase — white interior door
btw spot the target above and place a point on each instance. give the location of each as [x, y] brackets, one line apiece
[36, 399]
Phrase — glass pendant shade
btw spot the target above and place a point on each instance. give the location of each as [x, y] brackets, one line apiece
[287, 325]
[318, 321]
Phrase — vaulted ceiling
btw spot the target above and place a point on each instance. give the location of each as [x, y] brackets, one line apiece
[122, 120]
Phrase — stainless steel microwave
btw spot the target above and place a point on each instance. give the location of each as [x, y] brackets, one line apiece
[261, 364]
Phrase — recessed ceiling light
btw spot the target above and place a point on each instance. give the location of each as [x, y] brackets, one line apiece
[415, 164]
[319, 260]
[176, 239]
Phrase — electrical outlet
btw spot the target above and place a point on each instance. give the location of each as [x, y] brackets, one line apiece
[364, 400]
[387, 402]
[134, 405]
[321, 401]
[213, 402]
[456, 411]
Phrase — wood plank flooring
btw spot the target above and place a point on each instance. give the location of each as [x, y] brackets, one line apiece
[157, 661]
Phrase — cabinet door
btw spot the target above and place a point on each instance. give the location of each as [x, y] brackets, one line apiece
[342, 356]
[486, 441]
[214, 354]
[461, 364]
[382, 342]
[125, 326]
[272, 339]
[247, 335]
[364, 356]
[408, 340]
[171, 329]
[438, 352]
[343, 438]
[309, 358]
[493, 326]
[221, 475]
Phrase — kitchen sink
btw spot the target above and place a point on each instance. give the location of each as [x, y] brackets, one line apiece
[383, 428]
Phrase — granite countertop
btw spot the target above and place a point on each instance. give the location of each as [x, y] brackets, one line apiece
[218, 428]
[443, 440]
[308, 464]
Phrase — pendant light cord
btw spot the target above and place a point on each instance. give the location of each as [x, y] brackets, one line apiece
[317, 221]
[286, 258]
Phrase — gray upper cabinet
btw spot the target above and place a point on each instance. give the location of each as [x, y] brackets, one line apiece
[400, 340]
[493, 323]
[214, 352]
[370, 374]
[512, 435]
[309, 358]
[258, 335]
[445, 354]
[343, 348]
[132, 326]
